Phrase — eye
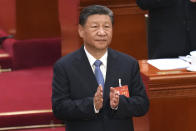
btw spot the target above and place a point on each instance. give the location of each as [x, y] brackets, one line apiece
[107, 26]
[94, 26]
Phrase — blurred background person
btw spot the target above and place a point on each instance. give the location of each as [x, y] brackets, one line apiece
[171, 27]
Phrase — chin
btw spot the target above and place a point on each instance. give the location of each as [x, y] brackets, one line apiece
[102, 46]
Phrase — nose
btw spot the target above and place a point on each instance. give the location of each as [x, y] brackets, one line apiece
[101, 32]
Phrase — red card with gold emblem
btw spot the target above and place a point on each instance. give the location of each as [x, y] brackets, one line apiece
[123, 90]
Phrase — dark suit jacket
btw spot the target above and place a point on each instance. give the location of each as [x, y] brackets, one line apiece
[171, 27]
[74, 86]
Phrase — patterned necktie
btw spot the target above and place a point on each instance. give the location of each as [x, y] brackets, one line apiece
[98, 73]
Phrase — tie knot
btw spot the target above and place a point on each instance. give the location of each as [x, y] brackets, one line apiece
[97, 63]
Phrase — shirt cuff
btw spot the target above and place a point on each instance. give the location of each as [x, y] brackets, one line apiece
[96, 111]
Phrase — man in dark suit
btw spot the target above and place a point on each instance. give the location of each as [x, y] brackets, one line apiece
[171, 27]
[84, 94]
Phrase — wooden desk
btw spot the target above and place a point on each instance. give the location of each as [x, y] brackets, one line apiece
[172, 95]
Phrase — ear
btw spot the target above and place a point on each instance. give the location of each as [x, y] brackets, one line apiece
[81, 31]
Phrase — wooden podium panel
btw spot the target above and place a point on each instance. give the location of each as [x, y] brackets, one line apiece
[172, 95]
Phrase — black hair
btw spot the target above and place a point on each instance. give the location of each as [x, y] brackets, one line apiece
[92, 10]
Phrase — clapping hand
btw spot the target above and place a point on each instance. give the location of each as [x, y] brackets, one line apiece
[98, 98]
[114, 98]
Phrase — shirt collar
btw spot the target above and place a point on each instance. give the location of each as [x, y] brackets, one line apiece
[92, 59]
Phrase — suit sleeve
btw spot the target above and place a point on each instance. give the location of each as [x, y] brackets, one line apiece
[65, 108]
[152, 4]
[137, 104]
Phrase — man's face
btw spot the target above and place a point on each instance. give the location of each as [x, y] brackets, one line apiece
[97, 32]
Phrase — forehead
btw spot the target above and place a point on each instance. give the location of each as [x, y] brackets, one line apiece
[98, 19]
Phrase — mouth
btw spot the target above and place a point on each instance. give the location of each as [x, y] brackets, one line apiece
[101, 40]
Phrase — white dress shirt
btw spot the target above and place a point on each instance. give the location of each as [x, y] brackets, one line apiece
[103, 59]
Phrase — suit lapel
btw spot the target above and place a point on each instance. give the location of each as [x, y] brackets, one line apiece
[111, 65]
[83, 66]
[110, 74]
